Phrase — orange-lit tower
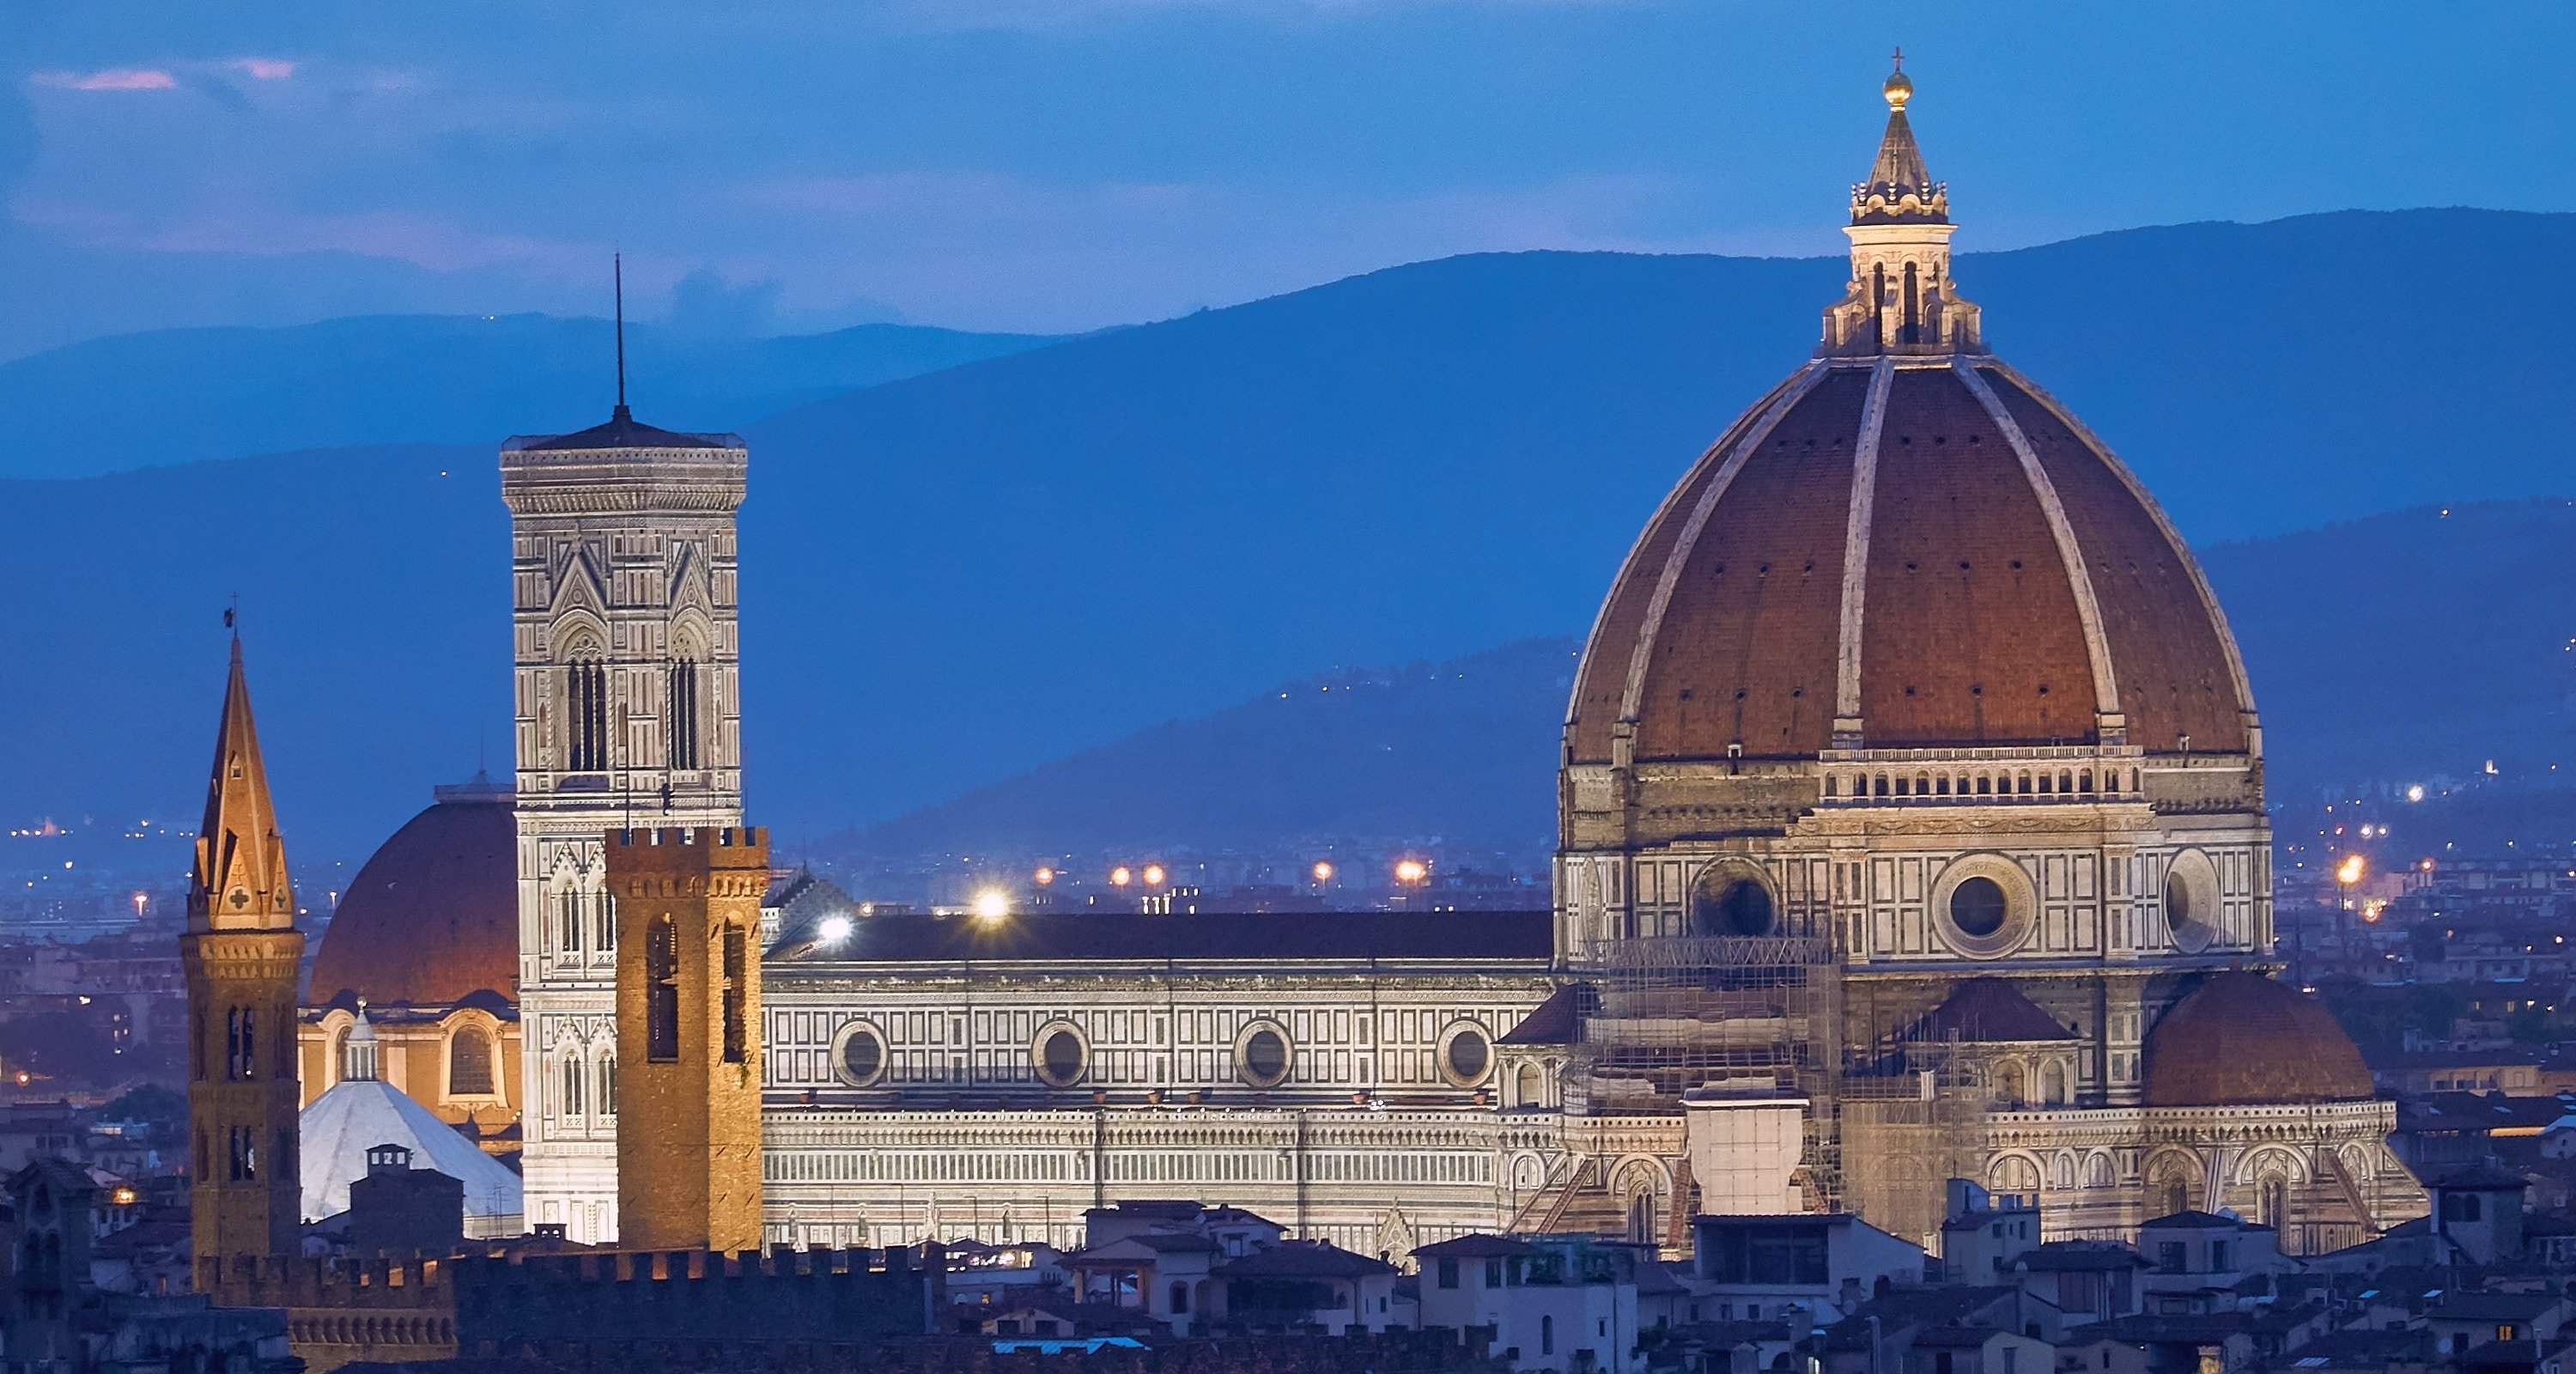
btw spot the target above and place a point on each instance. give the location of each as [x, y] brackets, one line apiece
[688, 1035]
[240, 952]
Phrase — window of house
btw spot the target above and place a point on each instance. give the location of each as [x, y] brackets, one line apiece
[1449, 1273]
[2170, 1257]
[1547, 1335]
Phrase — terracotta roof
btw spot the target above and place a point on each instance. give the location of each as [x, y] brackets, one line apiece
[621, 431]
[433, 916]
[1971, 630]
[1552, 1022]
[1984, 1011]
[1479, 1246]
[1303, 1259]
[1076, 938]
[2241, 1039]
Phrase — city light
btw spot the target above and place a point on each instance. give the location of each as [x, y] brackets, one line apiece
[2415, 792]
[1323, 872]
[122, 1197]
[1120, 877]
[992, 904]
[1044, 876]
[1154, 875]
[2350, 870]
[1411, 871]
[835, 929]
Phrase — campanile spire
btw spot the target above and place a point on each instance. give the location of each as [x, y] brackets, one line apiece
[1900, 298]
[240, 954]
[240, 881]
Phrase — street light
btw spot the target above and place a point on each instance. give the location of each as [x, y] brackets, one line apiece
[1411, 872]
[992, 904]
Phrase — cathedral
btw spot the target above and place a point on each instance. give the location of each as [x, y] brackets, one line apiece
[1911, 827]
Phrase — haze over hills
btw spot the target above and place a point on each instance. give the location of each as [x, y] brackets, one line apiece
[190, 395]
[2362, 665]
[952, 578]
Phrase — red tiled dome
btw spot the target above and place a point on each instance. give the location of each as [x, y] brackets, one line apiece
[2241, 1038]
[1985, 528]
[434, 914]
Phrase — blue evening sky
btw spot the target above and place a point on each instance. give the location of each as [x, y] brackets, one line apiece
[1026, 165]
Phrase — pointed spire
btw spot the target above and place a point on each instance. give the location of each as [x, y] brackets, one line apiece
[1899, 189]
[240, 881]
[617, 267]
[1900, 298]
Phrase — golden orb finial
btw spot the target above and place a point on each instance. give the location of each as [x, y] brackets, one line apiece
[1898, 89]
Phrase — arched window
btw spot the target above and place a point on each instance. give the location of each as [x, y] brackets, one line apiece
[572, 1086]
[608, 1082]
[603, 920]
[586, 716]
[684, 715]
[469, 1063]
[662, 990]
[1641, 1218]
[2052, 1084]
[1913, 308]
[568, 919]
[737, 995]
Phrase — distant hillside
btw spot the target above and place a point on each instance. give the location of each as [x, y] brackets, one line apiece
[2360, 675]
[189, 395]
[1461, 753]
[955, 577]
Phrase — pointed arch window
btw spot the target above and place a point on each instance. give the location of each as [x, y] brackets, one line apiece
[568, 919]
[603, 916]
[737, 995]
[685, 729]
[573, 1083]
[608, 1082]
[662, 990]
[586, 715]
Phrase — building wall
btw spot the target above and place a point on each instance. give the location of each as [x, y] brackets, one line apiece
[415, 1056]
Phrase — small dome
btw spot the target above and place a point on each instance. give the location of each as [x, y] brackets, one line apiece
[2241, 1039]
[434, 914]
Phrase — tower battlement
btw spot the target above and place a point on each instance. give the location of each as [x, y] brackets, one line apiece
[728, 846]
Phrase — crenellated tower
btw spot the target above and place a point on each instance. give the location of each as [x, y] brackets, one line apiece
[240, 953]
[625, 641]
[688, 1035]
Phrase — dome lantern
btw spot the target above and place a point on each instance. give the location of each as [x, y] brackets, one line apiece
[1900, 298]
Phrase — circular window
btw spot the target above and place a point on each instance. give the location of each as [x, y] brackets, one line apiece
[1261, 1056]
[1731, 899]
[1984, 906]
[1061, 1055]
[1465, 1055]
[1977, 906]
[862, 1056]
[2191, 901]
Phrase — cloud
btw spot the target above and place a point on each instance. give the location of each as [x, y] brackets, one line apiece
[265, 68]
[110, 79]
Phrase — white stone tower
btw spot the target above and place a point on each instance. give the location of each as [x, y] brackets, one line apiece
[626, 645]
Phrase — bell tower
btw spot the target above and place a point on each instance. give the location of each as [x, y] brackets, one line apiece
[625, 641]
[240, 953]
[688, 1035]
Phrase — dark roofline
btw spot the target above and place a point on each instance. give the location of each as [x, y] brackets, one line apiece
[1056, 939]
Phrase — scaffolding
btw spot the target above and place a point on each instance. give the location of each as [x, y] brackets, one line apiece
[1668, 1015]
